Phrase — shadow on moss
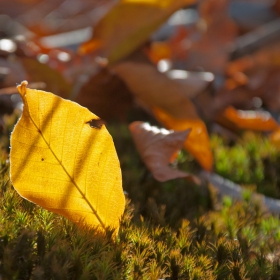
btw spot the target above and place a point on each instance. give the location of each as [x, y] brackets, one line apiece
[170, 231]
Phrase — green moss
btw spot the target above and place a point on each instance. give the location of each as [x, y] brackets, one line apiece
[252, 162]
[230, 243]
[173, 230]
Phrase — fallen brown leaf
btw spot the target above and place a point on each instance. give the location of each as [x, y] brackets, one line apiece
[106, 95]
[157, 147]
[198, 142]
[215, 32]
[156, 89]
[39, 72]
[128, 25]
[169, 101]
[195, 82]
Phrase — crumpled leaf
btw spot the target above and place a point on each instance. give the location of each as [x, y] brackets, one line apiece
[168, 99]
[157, 147]
[253, 120]
[198, 142]
[61, 163]
[128, 25]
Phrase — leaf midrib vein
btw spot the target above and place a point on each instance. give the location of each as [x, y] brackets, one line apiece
[60, 162]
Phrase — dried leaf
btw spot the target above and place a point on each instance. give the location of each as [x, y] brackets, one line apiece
[211, 107]
[11, 72]
[195, 82]
[128, 25]
[157, 147]
[155, 89]
[216, 32]
[106, 95]
[39, 72]
[198, 142]
[179, 43]
[170, 103]
[61, 163]
[270, 88]
[253, 120]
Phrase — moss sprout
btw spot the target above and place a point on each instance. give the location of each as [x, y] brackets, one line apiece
[169, 231]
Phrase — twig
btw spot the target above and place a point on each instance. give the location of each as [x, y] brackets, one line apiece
[13, 90]
[256, 39]
[227, 187]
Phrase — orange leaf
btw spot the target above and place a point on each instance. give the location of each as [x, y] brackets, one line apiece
[198, 143]
[157, 147]
[253, 120]
[158, 51]
[91, 46]
[129, 24]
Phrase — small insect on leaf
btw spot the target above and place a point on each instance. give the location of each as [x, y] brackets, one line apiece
[96, 123]
[60, 163]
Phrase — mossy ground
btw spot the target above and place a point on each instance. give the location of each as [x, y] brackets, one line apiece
[172, 230]
[253, 162]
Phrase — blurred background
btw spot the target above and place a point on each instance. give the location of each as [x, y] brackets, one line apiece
[225, 52]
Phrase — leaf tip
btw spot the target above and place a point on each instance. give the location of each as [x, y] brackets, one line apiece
[22, 88]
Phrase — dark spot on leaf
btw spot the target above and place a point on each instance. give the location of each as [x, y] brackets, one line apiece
[96, 123]
[42, 159]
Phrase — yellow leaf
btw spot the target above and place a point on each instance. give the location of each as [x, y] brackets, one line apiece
[128, 25]
[197, 143]
[61, 163]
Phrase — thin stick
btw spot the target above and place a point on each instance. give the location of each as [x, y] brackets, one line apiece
[227, 187]
[13, 90]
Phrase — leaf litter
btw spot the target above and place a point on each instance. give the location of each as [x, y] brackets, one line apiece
[237, 81]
